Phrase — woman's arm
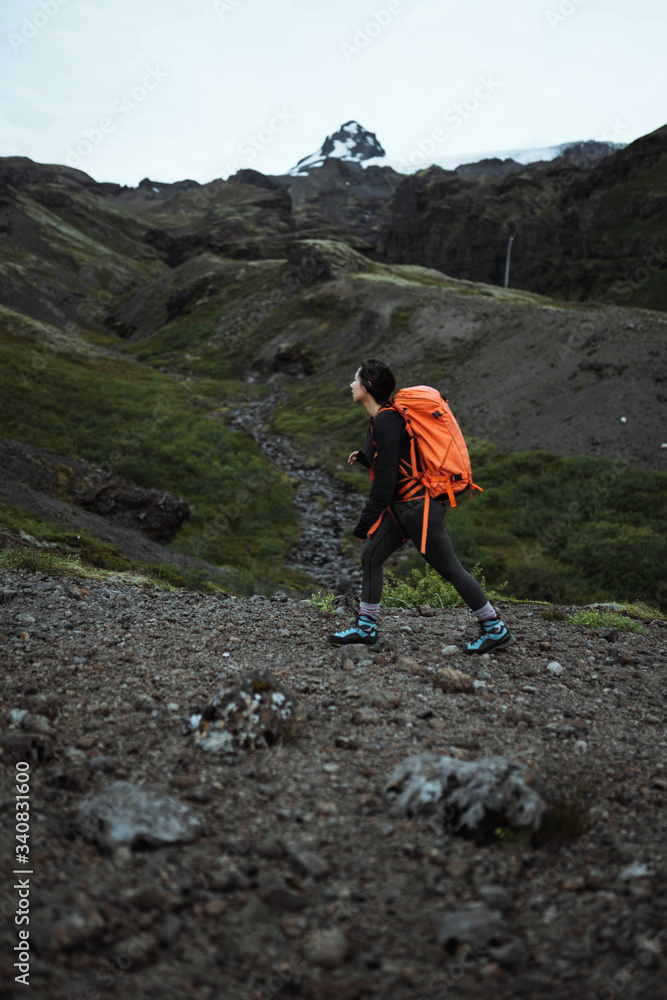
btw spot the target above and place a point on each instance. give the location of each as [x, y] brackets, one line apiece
[388, 427]
[361, 457]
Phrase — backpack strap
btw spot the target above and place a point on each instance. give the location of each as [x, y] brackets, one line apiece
[373, 528]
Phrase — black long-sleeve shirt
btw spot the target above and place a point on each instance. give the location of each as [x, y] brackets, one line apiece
[391, 445]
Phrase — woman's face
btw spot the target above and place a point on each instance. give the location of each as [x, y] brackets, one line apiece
[358, 391]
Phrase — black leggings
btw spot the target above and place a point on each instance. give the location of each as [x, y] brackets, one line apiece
[439, 551]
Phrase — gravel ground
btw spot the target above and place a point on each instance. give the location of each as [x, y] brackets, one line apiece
[301, 881]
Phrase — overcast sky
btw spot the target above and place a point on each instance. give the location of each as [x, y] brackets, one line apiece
[174, 89]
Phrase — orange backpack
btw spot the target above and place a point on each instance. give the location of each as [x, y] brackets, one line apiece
[439, 459]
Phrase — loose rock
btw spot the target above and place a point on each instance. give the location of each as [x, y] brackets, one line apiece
[467, 795]
[128, 814]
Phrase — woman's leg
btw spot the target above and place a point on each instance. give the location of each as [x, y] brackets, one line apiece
[377, 549]
[439, 553]
[385, 540]
[439, 549]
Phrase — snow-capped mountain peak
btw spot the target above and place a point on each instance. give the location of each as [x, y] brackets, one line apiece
[351, 142]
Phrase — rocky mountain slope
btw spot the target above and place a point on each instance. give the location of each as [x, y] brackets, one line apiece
[287, 871]
[69, 239]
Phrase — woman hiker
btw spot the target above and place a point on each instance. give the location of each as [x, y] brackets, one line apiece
[387, 443]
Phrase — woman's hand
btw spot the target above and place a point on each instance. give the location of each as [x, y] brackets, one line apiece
[353, 457]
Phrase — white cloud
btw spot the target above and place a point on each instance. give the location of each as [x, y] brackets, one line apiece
[226, 74]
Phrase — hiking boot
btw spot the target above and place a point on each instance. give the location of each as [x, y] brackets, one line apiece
[493, 635]
[364, 633]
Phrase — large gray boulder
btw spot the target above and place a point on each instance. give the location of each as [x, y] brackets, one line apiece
[124, 813]
[468, 796]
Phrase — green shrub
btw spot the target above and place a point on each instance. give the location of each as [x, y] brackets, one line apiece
[428, 587]
[323, 602]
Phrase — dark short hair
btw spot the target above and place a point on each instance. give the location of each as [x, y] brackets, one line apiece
[377, 378]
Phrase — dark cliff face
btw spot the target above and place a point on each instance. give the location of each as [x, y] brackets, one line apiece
[579, 232]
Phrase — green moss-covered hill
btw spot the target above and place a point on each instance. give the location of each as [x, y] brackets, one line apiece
[535, 383]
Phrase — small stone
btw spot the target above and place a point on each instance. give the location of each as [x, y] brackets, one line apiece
[184, 782]
[573, 885]
[451, 681]
[269, 847]
[610, 634]
[365, 717]
[635, 870]
[122, 856]
[581, 746]
[510, 955]
[449, 650]
[408, 664]
[326, 946]
[475, 925]
[277, 895]
[495, 897]
[104, 765]
[555, 668]
[306, 862]
[44, 704]
[37, 724]
[381, 699]
[215, 907]
[346, 742]
[228, 879]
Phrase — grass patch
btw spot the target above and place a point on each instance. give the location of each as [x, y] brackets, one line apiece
[567, 817]
[607, 619]
[141, 425]
[52, 564]
[55, 551]
[639, 609]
